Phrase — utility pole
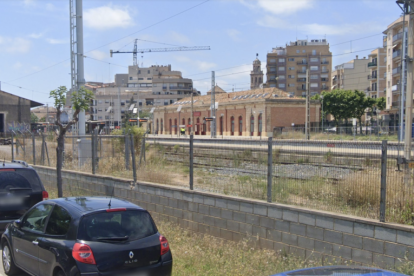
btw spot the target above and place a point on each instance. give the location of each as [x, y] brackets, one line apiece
[307, 121]
[403, 76]
[213, 105]
[79, 59]
[119, 105]
[192, 112]
[409, 7]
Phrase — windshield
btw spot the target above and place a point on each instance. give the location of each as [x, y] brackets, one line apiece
[19, 179]
[116, 226]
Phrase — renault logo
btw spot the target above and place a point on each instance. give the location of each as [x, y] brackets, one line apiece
[131, 255]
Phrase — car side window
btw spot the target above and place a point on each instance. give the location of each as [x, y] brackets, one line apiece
[59, 221]
[35, 219]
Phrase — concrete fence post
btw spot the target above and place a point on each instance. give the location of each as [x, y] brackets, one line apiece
[134, 166]
[127, 149]
[34, 148]
[93, 153]
[191, 162]
[383, 181]
[12, 144]
[269, 169]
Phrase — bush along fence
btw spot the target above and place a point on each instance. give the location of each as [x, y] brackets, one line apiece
[364, 179]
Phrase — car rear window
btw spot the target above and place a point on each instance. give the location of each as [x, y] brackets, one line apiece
[19, 178]
[133, 224]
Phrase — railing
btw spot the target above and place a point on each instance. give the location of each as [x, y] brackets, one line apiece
[372, 64]
[316, 61]
[395, 104]
[324, 79]
[301, 72]
[325, 62]
[180, 88]
[372, 77]
[164, 87]
[325, 71]
[395, 88]
[396, 54]
[301, 79]
[396, 71]
[397, 37]
[299, 88]
[302, 62]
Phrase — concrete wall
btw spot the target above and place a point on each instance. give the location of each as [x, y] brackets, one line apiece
[305, 233]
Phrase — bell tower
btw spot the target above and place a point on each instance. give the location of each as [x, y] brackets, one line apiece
[256, 76]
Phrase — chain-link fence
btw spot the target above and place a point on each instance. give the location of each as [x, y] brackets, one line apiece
[362, 178]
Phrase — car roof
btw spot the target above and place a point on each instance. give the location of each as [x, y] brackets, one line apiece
[90, 204]
[16, 164]
[340, 270]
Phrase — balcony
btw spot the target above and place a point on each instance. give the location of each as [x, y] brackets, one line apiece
[301, 88]
[325, 62]
[368, 89]
[301, 72]
[372, 64]
[164, 88]
[325, 71]
[385, 75]
[302, 62]
[272, 80]
[396, 71]
[325, 87]
[325, 79]
[180, 88]
[272, 61]
[395, 89]
[397, 38]
[395, 104]
[372, 77]
[301, 79]
[314, 62]
[396, 54]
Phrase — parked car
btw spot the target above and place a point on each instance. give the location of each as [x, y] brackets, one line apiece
[340, 270]
[20, 189]
[86, 236]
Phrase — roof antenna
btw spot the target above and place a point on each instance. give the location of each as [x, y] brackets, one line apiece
[112, 194]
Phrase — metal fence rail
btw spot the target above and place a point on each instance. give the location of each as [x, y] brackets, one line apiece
[355, 178]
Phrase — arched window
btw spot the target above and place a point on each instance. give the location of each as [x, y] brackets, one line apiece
[251, 125]
[260, 125]
[221, 125]
[162, 126]
[157, 128]
[240, 126]
[176, 126]
[232, 126]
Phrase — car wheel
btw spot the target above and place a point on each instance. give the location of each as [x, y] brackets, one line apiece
[8, 262]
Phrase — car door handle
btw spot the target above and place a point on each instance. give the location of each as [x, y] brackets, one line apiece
[35, 242]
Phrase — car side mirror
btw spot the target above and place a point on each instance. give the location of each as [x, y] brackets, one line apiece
[17, 223]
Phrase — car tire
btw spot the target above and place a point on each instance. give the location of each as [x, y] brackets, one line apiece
[9, 266]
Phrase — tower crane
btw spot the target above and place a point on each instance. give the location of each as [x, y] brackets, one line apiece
[155, 50]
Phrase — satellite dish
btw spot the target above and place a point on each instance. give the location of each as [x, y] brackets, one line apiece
[261, 86]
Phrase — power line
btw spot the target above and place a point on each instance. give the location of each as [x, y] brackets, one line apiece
[157, 23]
[106, 62]
[224, 75]
[356, 39]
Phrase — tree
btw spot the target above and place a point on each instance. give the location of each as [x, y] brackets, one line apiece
[43, 119]
[33, 118]
[360, 104]
[80, 102]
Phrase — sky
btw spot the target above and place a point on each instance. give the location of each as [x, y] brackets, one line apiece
[35, 50]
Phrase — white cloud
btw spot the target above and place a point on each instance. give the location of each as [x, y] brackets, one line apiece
[280, 6]
[56, 41]
[36, 35]
[29, 3]
[320, 29]
[204, 65]
[14, 44]
[17, 65]
[107, 17]
[234, 34]
[180, 38]
[98, 54]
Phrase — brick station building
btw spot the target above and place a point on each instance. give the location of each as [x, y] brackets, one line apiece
[247, 113]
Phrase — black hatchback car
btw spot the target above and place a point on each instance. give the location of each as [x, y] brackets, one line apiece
[85, 236]
[20, 189]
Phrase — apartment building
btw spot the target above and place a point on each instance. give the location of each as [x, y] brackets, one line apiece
[393, 45]
[286, 67]
[149, 87]
[377, 73]
[352, 75]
